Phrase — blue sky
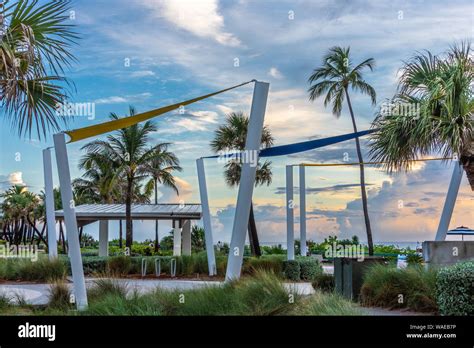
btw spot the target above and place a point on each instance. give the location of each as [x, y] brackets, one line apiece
[180, 49]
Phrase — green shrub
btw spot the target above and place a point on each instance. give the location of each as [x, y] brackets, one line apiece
[59, 296]
[414, 259]
[387, 286]
[270, 263]
[119, 265]
[292, 270]
[455, 289]
[309, 268]
[94, 264]
[42, 269]
[329, 304]
[4, 302]
[324, 282]
[105, 286]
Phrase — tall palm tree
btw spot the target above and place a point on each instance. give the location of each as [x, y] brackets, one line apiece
[231, 137]
[334, 78]
[441, 88]
[34, 50]
[160, 169]
[128, 151]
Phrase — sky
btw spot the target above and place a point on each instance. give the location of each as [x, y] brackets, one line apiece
[151, 53]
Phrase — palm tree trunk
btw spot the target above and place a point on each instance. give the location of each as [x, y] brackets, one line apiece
[156, 221]
[253, 236]
[128, 215]
[467, 160]
[362, 179]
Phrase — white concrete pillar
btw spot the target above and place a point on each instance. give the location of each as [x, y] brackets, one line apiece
[103, 237]
[49, 204]
[450, 201]
[206, 217]
[247, 180]
[290, 219]
[303, 247]
[186, 237]
[176, 239]
[79, 285]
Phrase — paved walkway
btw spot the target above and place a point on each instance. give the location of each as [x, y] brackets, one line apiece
[37, 294]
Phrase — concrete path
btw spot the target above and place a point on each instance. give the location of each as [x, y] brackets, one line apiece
[37, 294]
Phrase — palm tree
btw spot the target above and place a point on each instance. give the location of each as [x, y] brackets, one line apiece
[128, 151]
[232, 137]
[441, 89]
[160, 168]
[334, 78]
[35, 44]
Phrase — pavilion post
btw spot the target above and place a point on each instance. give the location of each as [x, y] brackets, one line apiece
[290, 237]
[104, 238]
[302, 178]
[450, 201]
[49, 203]
[186, 237]
[80, 293]
[176, 238]
[206, 217]
[247, 180]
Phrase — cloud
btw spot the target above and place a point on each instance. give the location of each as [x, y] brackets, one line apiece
[201, 18]
[168, 195]
[142, 73]
[125, 99]
[275, 73]
[315, 190]
[16, 178]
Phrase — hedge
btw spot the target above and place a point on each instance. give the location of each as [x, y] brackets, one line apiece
[455, 289]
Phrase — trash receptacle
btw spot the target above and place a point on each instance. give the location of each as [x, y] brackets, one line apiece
[349, 272]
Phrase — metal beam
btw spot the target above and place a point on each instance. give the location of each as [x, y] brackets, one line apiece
[104, 238]
[206, 217]
[302, 178]
[80, 293]
[49, 203]
[247, 180]
[290, 219]
[450, 201]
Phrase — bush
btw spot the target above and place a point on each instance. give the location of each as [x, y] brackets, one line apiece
[387, 286]
[25, 269]
[94, 264]
[309, 268]
[119, 265]
[455, 289]
[59, 296]
[292, 270]
[271, 263]
[104, 287]
[324, 282]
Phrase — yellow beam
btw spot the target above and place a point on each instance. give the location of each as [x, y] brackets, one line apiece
[98, 129]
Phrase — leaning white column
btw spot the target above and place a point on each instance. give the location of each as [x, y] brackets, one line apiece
[450, 201]
[103, 237]
[49, 203]
[290, 237]
[206, 217]
[247, 180]
[70, 221]
[186, 237]
[176, 239]
[303, 247]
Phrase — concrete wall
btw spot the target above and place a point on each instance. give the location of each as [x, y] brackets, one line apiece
[447, 252]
